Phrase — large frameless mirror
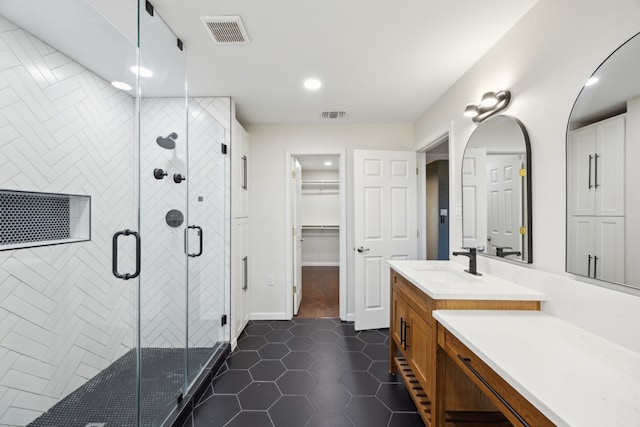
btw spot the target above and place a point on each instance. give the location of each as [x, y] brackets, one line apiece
[496, 190]
[603, 207]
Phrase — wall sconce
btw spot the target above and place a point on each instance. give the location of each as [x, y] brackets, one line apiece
[490, 104]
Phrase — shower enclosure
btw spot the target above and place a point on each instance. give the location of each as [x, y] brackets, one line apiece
[115, 319]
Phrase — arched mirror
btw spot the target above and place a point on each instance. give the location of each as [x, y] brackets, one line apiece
[496, 190]
[603, 205]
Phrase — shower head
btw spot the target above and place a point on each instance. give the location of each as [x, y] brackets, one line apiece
[168, 142]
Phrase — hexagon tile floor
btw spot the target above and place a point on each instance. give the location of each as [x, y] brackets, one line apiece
[307, 373]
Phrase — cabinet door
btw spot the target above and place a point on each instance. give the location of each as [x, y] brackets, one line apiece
[421, 342]
[239, 277]
[609, 248]
[581, 167]
[580, 245]
[399, 317]
[608, 175]
[240, 171]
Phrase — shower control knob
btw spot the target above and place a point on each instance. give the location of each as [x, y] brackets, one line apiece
[159, 173]
[178, 178]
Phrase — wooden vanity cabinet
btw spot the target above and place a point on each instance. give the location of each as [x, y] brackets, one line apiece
[413, 348]
[514, 407]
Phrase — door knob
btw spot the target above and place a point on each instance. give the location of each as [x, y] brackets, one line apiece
[361, 249]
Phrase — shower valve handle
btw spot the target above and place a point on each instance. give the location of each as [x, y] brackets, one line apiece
[178, 178]
[159, 173]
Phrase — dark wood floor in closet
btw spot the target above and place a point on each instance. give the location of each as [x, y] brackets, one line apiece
[320, 292]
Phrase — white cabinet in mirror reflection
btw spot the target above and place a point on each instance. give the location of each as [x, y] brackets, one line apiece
[596, 247]
[596, 168]
[595, 177]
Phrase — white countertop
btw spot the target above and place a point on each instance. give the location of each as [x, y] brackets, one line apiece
[448, 280]
[572, 376]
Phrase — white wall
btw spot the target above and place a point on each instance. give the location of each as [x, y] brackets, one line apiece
[269, 143]
[544, 60]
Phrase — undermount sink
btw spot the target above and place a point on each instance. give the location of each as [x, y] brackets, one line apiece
[444, 274]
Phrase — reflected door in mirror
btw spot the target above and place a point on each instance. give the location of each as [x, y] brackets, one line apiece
[496, 190]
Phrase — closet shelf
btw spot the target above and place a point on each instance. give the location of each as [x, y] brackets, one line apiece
[320, 227]
[332, 185]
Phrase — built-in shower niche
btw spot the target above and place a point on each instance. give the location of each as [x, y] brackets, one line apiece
[29, 219]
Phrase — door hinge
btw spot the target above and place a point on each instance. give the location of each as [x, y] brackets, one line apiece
[293, 174]
[523, 230]
[148, 7]
[223, 148]
[417, 173]
[417, 233]
[223, 320]
[523, 172]
[295, 289]
[293, 231]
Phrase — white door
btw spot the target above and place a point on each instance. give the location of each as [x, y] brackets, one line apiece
[296, 197]
[581, 153]
[581, 243]
[474, 198]
[609, 171]
[609, 249]
[240, 279]
[385, 211]
[504, 204]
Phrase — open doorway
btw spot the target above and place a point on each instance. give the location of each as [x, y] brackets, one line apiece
[316, 212]
[435, 199]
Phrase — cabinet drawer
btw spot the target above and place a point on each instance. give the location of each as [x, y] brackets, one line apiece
[418, 300]
[512, 404]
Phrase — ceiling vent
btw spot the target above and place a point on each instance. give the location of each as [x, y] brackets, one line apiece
[226, 29]
[333, 114]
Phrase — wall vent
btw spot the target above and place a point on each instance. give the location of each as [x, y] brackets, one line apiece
[29, 219]
[226, 29]
[333, 114]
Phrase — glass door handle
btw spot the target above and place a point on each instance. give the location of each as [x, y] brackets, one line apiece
[200, 233]
[114, 257]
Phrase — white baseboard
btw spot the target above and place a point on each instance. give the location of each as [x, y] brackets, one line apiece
[269, 316]
[321, 264]
[351, 317]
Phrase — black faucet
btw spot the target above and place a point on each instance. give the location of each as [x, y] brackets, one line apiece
[502, 253]
[472, 260]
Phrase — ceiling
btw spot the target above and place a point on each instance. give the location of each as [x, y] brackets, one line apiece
[317, 162]
[377, 62]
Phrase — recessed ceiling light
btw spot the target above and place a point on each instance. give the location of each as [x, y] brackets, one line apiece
[144, 72]
[312, 84]
[592, 81]
[121, 85]
[328, 163]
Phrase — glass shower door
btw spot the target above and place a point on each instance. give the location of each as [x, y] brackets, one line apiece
[163, 219]
[208, 232]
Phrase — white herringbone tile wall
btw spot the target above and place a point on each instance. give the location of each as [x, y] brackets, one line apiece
[164, 265]
[63, 316]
